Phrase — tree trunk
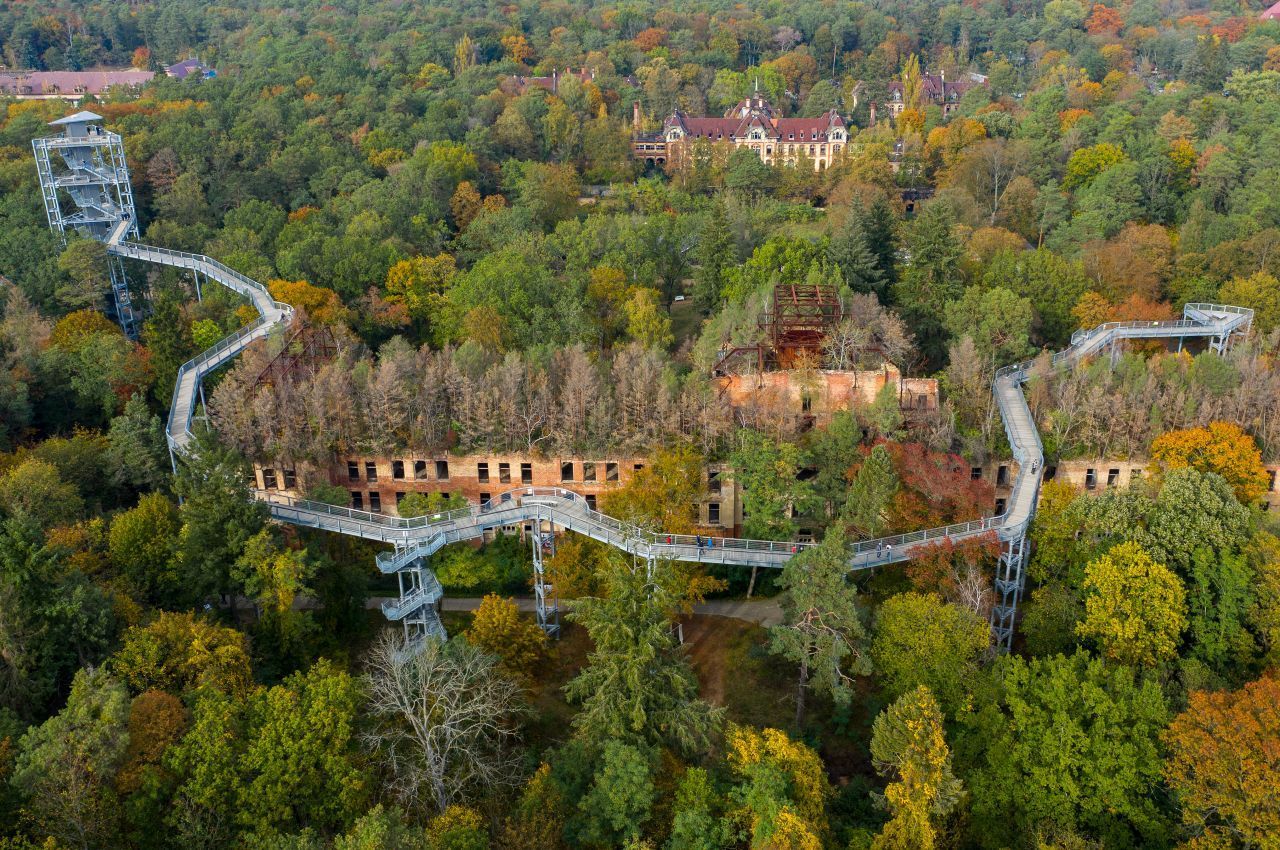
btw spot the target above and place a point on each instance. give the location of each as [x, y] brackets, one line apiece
[801, 687]
[751, 585]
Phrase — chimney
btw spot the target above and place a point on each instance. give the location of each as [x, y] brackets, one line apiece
[555, 82]
[873, 113]
[636, 120]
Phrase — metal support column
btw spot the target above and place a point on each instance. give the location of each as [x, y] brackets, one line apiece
[1010, 577]
[195, 275]
[545, 604]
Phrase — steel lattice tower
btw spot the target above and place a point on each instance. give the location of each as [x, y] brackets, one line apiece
[90, 170]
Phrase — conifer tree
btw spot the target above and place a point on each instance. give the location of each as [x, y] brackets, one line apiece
[850, 250]
[871, 493]
[716, 252]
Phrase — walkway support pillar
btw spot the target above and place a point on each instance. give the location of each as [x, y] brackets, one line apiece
[545, 605]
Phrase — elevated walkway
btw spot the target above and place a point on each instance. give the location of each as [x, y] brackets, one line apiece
[417, 538]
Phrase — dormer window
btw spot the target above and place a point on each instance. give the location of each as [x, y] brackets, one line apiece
[791, 136]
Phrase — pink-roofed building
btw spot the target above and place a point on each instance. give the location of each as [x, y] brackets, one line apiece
[1270, 14]
[751, 123]
[68, 85]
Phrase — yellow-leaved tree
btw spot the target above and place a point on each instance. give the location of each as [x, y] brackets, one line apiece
[1222, 448]
[908, 745]
[786, 815]
[499, 630]
[1135, 608]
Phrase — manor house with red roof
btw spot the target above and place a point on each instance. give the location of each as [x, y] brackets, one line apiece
[752, 123]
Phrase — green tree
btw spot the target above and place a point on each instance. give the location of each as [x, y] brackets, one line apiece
[1071, 744]
[65, 767]
[881, 228]
[694, 824]
[920, 640]
[84, 262]
[998, 321]
[884, 415]
[772, 494]
[715, 252]
[871, 493]
[1135, 608]
[144, 547]
[34, 489]
[1087, 163]
[1193, 510]
[622, 793]
[747, 173]
[135, 455]
[218, 517]
[908, 745]
[932, 280]
[850, 250]
[822, 628]
[637, 687]
[781, 790]
[833, 452]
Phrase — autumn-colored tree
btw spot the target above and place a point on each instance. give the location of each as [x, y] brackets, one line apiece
[908, 745]
[1104, 20]
[647, 323]
[781, 791]
[322, 306]
[517, 48]
[1136, 261]
[498, 628]
[179, 653]
[1087, 163]
[465, 204]
[1091, 310]
[1135, 608]
[156, 721]
[141, 58]
[648, 39]
[1260, 292]
[661, 496]
[1222, 448]
[420, 284]
[75, 329]
[1224, 766]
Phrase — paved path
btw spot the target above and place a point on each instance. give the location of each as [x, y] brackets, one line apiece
[763, 612]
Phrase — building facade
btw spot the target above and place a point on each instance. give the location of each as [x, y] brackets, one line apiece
[752, 123]
[379, 483]
[938, 91]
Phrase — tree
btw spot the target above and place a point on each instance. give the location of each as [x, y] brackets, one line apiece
[772, 494]
[84, 262]
[445, 720]
[715, 252]
[998, 321]
[34, 489]
[747, 173]
[660, 496]
[135, 453]
[851, 251]
[933, 279]
[1260, 292]
[1221, 448]
[883, 417]
[908, 745]
[1134, 608]
[1073, 745]
[870, 495]
[218, 516]
[1224, 768]
[822, 628]
[1085, 164]
[65, 766]
[647, 323]
[881, 227]
[273, 577]
[921, 641]
[694, 825]
[421, 284]
[621, 796]
[321, 304]
[144, 546]
[498, 629]
[637, 687]
[781, 791]
[181, 653]
[430, 504]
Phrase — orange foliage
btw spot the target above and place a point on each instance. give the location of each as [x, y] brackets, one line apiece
[1104, 19]
[321, 305]
[650, 38]
[1232, 29]
[936, 488]
[942, 567]
[1136, 308]
[1135, 261]
[75, 329]
[156, 721]
[1224, 764]
[1067, 118]
[1222, 448]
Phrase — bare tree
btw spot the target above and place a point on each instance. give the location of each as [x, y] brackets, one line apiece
[446, 720]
